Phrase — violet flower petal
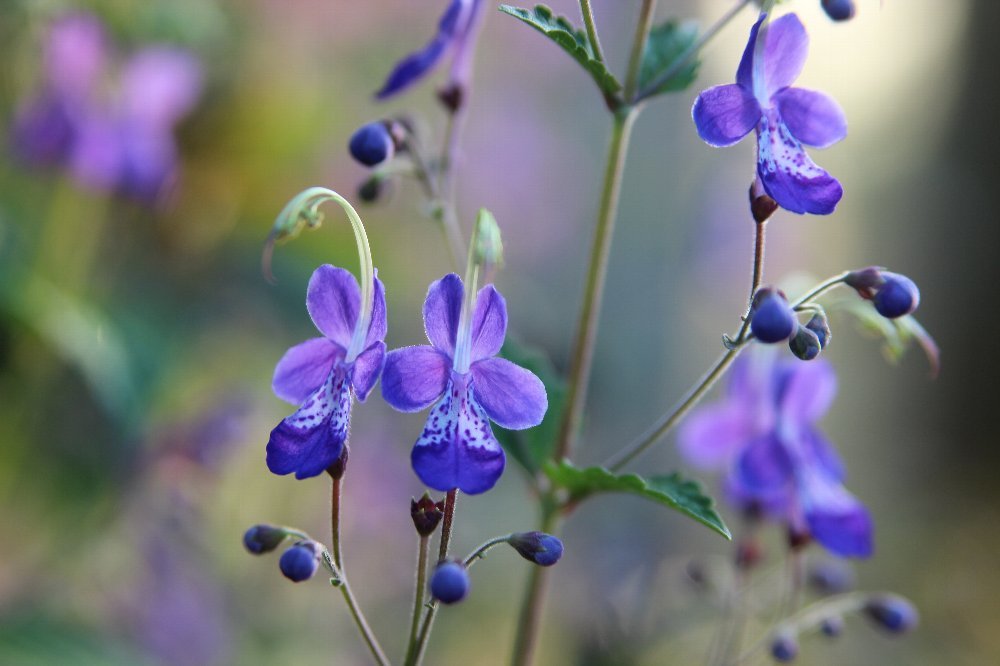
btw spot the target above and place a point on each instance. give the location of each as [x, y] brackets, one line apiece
[814, 118]
[75, 55]
[710, 437]
[311, 439]
[442, 309]
[97, 155]
[510, 395]
[764, 466]
[821, 454]
[835, 517]
[744, 73]
[333, 298]
[786, 45]
[303, 368]
[808, 392]
[414, 377]
[367, 368]
[159, 86]
[457, 448]
[787, 173]
[725, 114]
[379, 325]
[489, 324]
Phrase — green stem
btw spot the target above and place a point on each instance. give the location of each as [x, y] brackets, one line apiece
[447, 523]
[480, 552]
[529, 618]
[418, 597]
[642, 29]
[586, 329]
[588, 21]
[758, 258]
[820, 289]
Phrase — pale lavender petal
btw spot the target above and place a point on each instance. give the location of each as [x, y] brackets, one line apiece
[725, 114]
[512, 396]
[159, 86]
[489, 323]
[457, 448]
[414, 377]
[75, 55]
[332, 298]
[97, 155]
[787, 173]
[710, 437]
[149, 161]
[304, 368]
[744, 74]
[367, 368]
[442, 309]
[311, 439]
[808, 392]
[836, 518]
[465, 44]
[379, 324]
[785, 47]
[814, 118]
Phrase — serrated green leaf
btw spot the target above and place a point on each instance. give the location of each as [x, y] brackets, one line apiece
[572, 40]
[667, 44]
[531, 448]
[671, 490]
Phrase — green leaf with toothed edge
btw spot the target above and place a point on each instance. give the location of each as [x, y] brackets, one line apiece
[667, 44]
[572, 40]
[671, 490]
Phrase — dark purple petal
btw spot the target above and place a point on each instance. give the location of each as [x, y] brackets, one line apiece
[489, 323]
[512, 396]
[744, 74]
[159, 86]
[304, 368]
[415, 66]
[149, 161]
[442, 309]
[787, 173]
[764, 466]
[457, 448]
[379, 325]
[814, 118]
[725, 114]
[332, 298]
[835, 518]
[311, 439]
[785, 47]
[367, 367]
[44, 130]
[711, 436]
[808, 391]
[819, 452]
[414, 377]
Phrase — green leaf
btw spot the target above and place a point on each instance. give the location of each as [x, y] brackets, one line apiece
[572, 40]
[533, 447]
[667, 44]
[672, 490]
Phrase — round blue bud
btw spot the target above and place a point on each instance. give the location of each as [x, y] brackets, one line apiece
[897, 296]
[838, 10]
[831, 577]
[299, 562]
[538, 547]
[784, 647]
[773, 319]
[893, 613]
[819, 325]
[805, 344]
[263, 538]
[372, 144]
[450, 582]
[832, 626]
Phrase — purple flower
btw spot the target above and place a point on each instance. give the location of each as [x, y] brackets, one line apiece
[459, 372]
[764, 435]
[321, 373]
[785, 118]
[456, 34]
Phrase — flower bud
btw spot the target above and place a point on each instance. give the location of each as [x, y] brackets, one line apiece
[372, 144]
[488, 250]
[300, 562]
[865, 281]
[838, 10]
[805, 344]
[372, 188]
[538, 547]
[897, 296]
[821, 327]
[772, 318]
[784, 647]
[749, 553]
[450, 582]
[426, 514]
[762, 206]
[892, 612]
[831, 577]
[832, 626]
[261, 539]
[339, 466]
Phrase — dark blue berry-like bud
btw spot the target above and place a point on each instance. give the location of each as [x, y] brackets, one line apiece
[263, 538]
[832, 626]
[896, 296]
[538, 547]
[372, 144]
[450, 582]
[784, 647]
[838, 10]
[300, 562]
[892, 612]
[805, 344]
[772, 319]
[831, 577]
[821, 327]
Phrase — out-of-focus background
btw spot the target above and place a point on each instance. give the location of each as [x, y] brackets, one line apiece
[137, 336]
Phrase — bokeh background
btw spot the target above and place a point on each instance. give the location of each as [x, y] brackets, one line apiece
[137, 336]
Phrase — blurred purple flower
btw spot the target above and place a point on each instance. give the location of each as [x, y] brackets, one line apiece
[317, 375]
[785, 118]
[763, 434]
[123, 142]
[457, 448]
[456, 33]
